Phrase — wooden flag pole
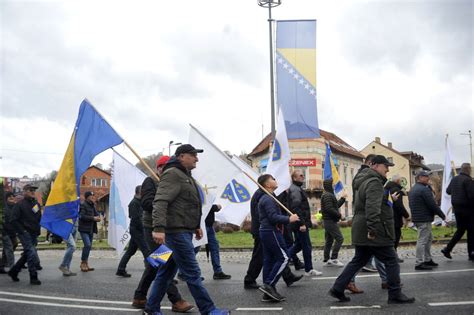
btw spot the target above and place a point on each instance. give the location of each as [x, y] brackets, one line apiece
[142, 161]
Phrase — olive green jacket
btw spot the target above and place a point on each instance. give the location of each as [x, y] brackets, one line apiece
[372, 211]
[177, 204]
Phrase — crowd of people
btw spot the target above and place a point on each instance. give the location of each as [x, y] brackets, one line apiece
[169, 212]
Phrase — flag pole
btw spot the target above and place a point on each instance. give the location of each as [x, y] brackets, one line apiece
[153, 174]
[251, 178]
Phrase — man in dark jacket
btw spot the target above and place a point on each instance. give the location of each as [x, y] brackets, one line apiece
[137, 240]
[177, 211]
[297, 201]
[372, 232]
[423, 209]
[256, 262]
[275, 256]
[9, 235]
[461, 189]
[26, 222]
[213, 244]
[88, 218]
[331, 215]
[399, 211]
[148, 192]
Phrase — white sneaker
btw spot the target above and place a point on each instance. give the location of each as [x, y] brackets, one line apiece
[313, 272]
[336, 262]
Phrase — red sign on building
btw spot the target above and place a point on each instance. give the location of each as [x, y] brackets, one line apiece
[303, 162]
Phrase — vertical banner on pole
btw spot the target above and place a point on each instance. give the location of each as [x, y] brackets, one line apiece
[296, 77]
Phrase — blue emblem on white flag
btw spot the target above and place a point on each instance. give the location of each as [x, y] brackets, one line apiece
[236, 192]
[276, 151]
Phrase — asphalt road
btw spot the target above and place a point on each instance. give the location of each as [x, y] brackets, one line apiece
[101, 292]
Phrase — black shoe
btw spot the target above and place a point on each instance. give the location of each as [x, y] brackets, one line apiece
[271, 292]
[400, 260]
[251, 285]
[2, 271]
[39, 267]
[339, 295]
[400, 299]
[13, 275]
[123, 274]
[298, 265]
[175, 282]
[293, 279]
[430, 263]
[267, 298]
[221, 276]
[423, 267]
[446, 253]
[34, 280]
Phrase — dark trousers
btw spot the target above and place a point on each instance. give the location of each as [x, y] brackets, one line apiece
[303, 243]
[275, 257]
[149, 274]
[289, 241]
[398, 235]
[332, 233]
[464, 222]
[137, 241]
[29, 255]
[256, 263]
[386, 255]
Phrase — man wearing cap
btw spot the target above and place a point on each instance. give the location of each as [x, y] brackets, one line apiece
[176, 217]
[88, 218]
[423, 209]
[26, 222]
[372, 232]
[148, 192]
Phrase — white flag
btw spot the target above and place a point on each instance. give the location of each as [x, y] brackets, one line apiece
[447, 176]
[235, 199]
[279, 159]
[212, 173]
[125, 177]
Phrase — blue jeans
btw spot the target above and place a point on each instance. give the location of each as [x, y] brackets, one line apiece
[71, 247]
[183, 258]
[87, 240]
[275, 257]
[381, 269]
[29, 255]
[303, 242]
[214, 249]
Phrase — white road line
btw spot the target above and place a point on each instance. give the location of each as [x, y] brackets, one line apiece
[57, 298]
[71, 305]
[451, 303]
[401, 274]
[259, 309]
[354, 307]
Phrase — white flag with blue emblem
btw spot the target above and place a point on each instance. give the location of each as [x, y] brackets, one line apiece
[125, 177]
[212, 173]
[446, 205]
[278, 162]
[235, 199]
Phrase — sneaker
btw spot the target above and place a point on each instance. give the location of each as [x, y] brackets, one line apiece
[423, 267]
[221, 276]
[336, 262]
[446, 253]
[292, 280]
[369, 268]
[66, 272]
[400, 298]
[313, 272]
[251, 285]
[13, 275]
[430, 263]
[219, 311]
[270, 291]
[339, 295]
[267, 298]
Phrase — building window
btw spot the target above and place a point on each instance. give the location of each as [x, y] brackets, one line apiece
[345, 175]
[83, 180]
[105, 182]
[94, 182]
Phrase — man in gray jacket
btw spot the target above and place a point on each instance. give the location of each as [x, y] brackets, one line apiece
[423, 209]
[176, 217]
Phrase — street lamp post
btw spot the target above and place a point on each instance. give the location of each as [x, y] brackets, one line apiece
[170, 144]
[270, 4]
[469, 134]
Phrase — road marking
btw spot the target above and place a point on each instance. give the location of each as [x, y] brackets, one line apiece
[71, 305]
[354, 307]
[451, 303]
[401, 274]
[259, 309]
[57, 298]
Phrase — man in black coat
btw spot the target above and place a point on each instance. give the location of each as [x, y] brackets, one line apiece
[88, 218]
[399, 211]
[461, 189]
[26, 222]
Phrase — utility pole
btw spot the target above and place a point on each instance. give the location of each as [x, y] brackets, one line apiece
[469, 134]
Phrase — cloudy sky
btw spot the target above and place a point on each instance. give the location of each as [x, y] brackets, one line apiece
[401, 70]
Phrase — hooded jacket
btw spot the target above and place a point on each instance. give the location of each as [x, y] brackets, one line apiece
[461, 189]
[329, 204]
[297, 202]
[177, 205]
[372, 211]
[399, 211]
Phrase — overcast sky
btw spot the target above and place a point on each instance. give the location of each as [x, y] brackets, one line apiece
[401, 70]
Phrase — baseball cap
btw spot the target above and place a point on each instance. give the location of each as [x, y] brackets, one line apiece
[87, 194]
[380, 159]
[29, 187]
[422, 173]
[187, 148]
[162, 160]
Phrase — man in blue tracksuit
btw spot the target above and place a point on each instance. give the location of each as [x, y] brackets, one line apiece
[272, 223]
